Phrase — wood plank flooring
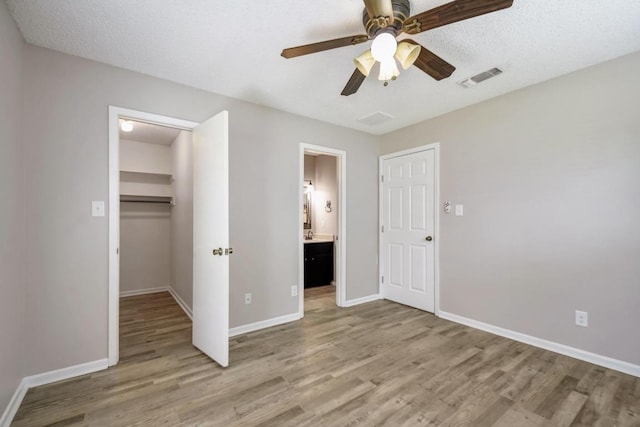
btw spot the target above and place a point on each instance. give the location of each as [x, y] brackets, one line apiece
[378, 363]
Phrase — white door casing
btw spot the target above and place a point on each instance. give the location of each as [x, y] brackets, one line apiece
[211, 231]
[341, 240]
[408, 255]
[115, 114]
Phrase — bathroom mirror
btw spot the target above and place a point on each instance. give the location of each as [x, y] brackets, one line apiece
[306, 206]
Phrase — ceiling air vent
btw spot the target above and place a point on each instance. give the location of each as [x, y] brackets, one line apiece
[472, 81]
[375, 119]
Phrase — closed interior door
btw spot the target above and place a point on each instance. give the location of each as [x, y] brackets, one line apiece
[211, 238]
[408, 255]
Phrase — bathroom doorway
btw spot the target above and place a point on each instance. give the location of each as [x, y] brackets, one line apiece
[322, 227]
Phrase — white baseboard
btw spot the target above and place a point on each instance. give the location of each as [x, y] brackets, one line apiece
[47, 378]
[144, 291]
[66, 373]
[576, 353]
[239, 330]
[12, 408]
[357, 301]
[183, 305]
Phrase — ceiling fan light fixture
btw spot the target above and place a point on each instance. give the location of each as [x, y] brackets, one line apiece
[384, 47]
[365, 62]
[388, 71]
[407, 53]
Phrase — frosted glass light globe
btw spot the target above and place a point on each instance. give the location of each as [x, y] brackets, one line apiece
[126, 125]
[384, 47]
[388, 70]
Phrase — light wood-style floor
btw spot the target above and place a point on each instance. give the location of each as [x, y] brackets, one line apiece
[378, 363]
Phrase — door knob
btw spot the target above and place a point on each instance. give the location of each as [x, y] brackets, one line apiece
[228, 251]
[428, 238]
[217, 251]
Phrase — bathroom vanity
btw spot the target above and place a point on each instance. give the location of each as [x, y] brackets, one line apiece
[318, 263]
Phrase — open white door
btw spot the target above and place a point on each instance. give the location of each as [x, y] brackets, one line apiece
[211, 238]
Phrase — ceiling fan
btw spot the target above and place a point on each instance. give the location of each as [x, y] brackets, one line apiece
[383, 21]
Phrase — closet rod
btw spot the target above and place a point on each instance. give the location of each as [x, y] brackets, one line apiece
[145, 201]
[167, 202]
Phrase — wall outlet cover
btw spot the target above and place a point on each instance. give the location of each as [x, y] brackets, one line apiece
[294, 291]
[582, 318]
[247, 298]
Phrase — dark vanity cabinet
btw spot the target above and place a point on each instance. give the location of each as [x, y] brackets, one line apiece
[318, 264]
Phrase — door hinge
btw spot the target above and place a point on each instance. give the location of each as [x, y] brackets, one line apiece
[382, 228]
[381, 178]
[382, 279]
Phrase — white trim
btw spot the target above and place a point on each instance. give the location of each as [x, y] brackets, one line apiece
[183, 305]
[14, 404]
[358, 301]
[47, 378]
[576, 353]
[66, 373]
[436, 194]
[135, 292]
[239, 330]
[341, 243]
[114, 212]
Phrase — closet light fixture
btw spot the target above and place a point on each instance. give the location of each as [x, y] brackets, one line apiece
[126, 125]
[310, 187]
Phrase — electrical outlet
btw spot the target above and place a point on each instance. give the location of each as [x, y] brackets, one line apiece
[247, 298]
[582, 318]
[294, 291]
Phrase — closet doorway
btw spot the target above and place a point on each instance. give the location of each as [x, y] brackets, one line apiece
[322, 225]
[184, 189]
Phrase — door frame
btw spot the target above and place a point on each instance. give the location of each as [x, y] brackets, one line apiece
[436, 194]
[115, 114]
[341, 243]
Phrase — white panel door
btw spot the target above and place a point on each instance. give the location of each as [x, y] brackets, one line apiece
[408, 255]
[211, 232]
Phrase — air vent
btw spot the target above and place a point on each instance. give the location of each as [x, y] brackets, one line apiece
[472, 81]
[375, 118]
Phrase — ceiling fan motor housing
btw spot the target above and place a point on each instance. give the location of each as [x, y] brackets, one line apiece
[401, 11]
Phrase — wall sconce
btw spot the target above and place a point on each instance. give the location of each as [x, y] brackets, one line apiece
[308, 188]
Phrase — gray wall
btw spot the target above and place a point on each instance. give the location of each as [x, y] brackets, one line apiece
[182, 218]
[68, 98]
[325, 188]
[550, 181]
[12, 288]
[145, 246]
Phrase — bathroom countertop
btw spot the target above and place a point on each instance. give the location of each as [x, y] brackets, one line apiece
[314, 240]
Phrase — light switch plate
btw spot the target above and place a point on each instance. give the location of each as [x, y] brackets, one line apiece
[97, 208]
[459, 210]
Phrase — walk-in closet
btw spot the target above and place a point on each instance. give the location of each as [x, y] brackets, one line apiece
[156, 210]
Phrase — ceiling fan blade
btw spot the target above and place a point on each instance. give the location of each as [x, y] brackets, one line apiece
[431, 63]
[449, 13]
[378, 8]
[354, 83]
[292, 52]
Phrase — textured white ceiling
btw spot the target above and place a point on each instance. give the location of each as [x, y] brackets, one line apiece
[233, 48]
